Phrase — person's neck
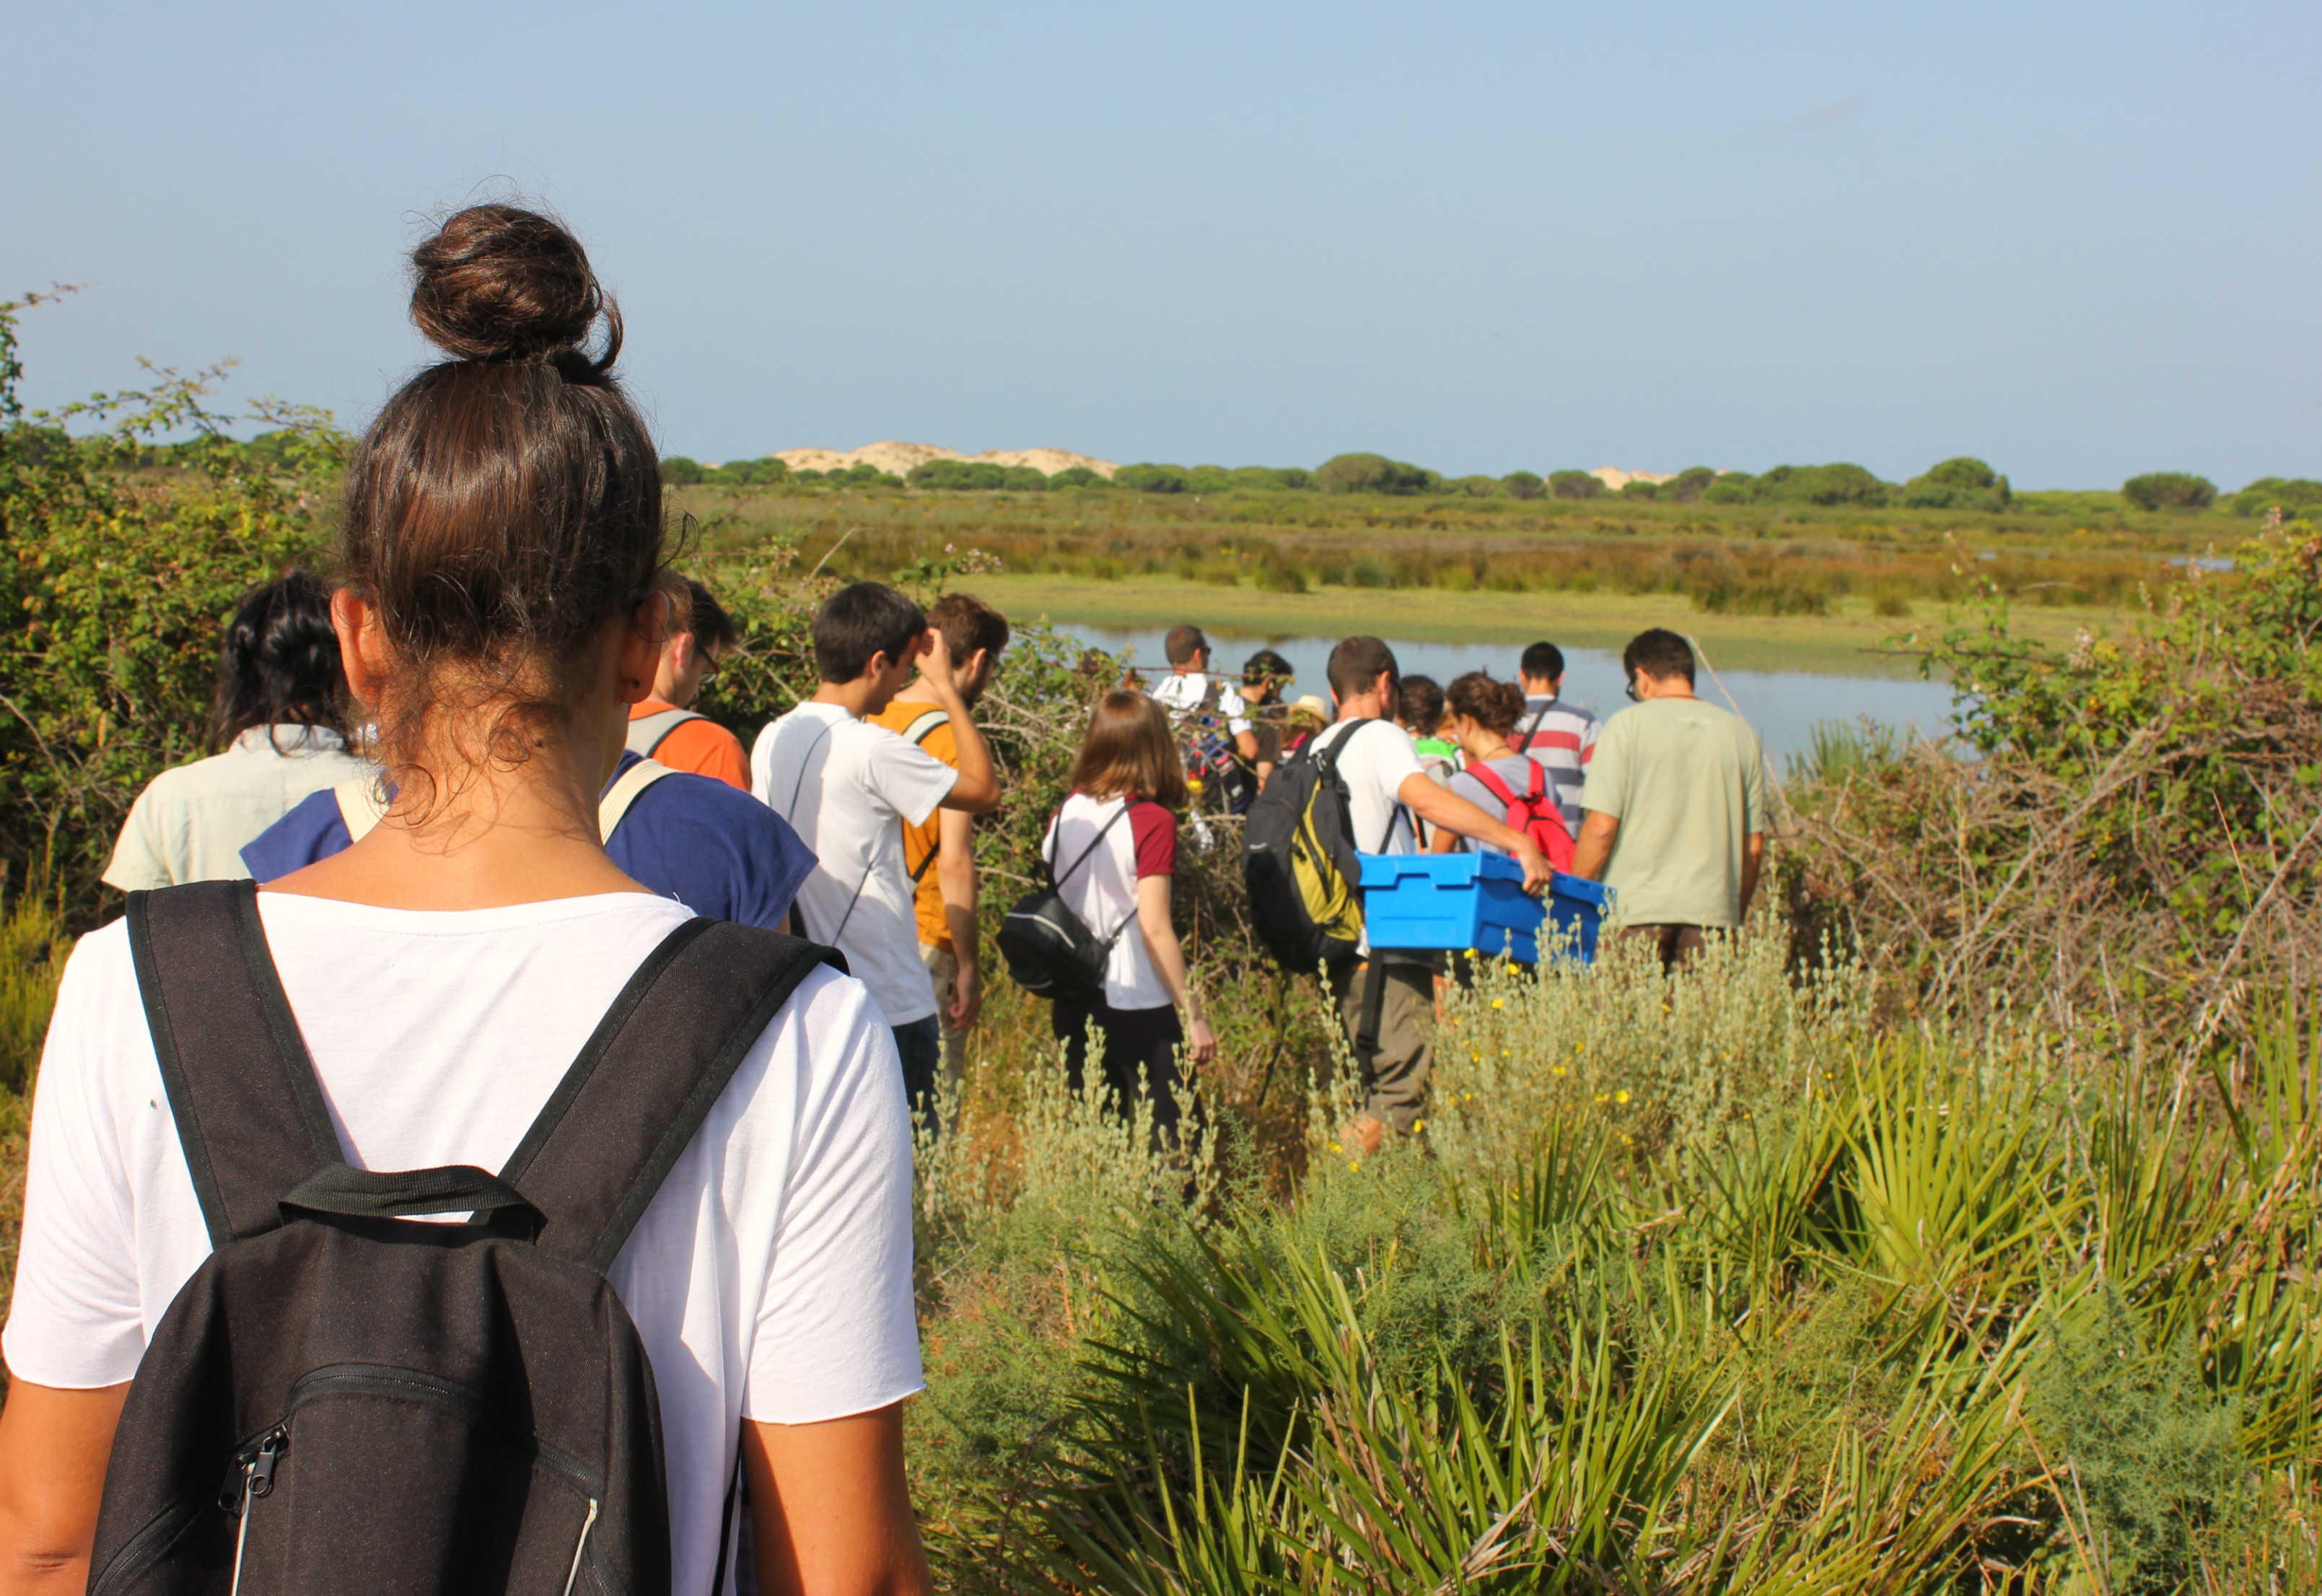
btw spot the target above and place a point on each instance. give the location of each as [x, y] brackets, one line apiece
[1497, 748]
[852, 696]
[1539, 689]
[918, 692]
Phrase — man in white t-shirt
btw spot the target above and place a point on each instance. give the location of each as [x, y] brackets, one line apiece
[1189, 687]
[1386, 1001]
[848, 788]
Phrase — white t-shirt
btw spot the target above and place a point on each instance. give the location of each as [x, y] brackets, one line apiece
[770, 1278]
[1182, 693]
[1374, 764]
[848, 787]
[1102, 889]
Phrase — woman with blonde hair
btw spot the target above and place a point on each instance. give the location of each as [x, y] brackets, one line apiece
[1113, 848]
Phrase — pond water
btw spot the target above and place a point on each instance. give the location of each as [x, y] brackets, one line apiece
[1784, 706]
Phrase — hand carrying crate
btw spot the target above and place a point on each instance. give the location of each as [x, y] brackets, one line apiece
[1474, 900]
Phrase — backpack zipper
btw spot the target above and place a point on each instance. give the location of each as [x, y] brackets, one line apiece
[586, 1525]
[257, 1480]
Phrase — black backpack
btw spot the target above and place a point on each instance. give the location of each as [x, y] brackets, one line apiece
[1298, 861]
[1050, 951]
[342, 1398]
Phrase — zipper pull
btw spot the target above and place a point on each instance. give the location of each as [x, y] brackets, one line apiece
[269, 1452]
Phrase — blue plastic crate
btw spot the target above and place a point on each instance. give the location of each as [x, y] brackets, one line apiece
[1473, 900]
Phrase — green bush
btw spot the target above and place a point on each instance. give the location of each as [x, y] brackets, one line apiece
[1078, 477]
[1965, 483]
[2293, 495]
[1152, 478]
[1689, 486]
[1575, 485]
[1838, 484]
[2169, 490]
[1638, 487]
[1524, 485]
[32, 948]
[1475, 487]
[1372, 473]
[679, 472]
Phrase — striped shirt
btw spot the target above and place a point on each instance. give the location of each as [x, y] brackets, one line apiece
[1562, 738]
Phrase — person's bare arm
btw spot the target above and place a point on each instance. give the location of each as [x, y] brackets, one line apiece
[53, 1447]
[955, 877]
[1754, 857]
[830, 1507]
[1246, 743]
[1593, 850]
[1446, 809]
[977, 790]
[1443, 842]
[1160, 933]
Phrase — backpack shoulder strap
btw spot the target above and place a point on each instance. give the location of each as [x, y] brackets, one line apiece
[359, 806]
[1498, 788]
[615, 805]
[649, 732]
[242, 1087]
[921, 730]
[640, 1088]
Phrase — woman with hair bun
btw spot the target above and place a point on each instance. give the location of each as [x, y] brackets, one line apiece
[276, 734]
[1479, 714]
[502, 535]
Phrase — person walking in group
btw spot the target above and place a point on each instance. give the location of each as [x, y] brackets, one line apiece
[1560, 737]
[1675, 804]
[849, 788]
[1385, 1000]
[375, 1032]
[1480, 714]
[1112, 851]
[1210, 719]
[941, 854]
[1263, 675]
[665, 728]
[276, 715]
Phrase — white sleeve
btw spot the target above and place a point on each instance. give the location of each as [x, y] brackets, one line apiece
[837, 1328]
[1390, 760]
[913, 781]
[76, 1319]
[139, 860]
[1237, 709]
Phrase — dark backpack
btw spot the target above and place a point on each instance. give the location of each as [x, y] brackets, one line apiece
[1212, 759]
[1050, 950]
[1534, 813]
[1298, 861]
[342, 1398]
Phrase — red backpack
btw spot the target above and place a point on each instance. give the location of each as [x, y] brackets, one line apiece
[1534, 814]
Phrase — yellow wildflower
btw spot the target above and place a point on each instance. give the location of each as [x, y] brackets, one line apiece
[1621, 1096]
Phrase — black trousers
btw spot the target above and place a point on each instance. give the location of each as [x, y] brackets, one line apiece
[1134, 1040]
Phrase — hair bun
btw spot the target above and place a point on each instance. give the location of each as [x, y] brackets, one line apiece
[498, 283]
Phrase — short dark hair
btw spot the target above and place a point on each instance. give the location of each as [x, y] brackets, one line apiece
[856, 623]
[1659, 653]
[1266, 669]
[1418, 704]
[1542, 662]
[968, 623]
[280, 664]
[707, 618]
[1182, 643]
[1356, 663]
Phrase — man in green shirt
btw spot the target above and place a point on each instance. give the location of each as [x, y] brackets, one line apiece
[1673, 814]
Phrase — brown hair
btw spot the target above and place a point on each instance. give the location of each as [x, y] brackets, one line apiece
[1129, 749]
[1419, 705]
[1495, 705]
[968, 623]
[1183, 643]
[505, 506]
[693, 608]
[1356, 663]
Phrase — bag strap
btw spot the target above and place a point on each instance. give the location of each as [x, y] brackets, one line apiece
[1055, 880]
[615, 805]
[921, 730]
[647, 733]
[249, 1112]
[1498, 788]
[629, 1106]
[790, 811]
[359, 806]
[1532, 731]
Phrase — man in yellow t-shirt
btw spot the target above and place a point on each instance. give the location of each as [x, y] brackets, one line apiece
[941, 853]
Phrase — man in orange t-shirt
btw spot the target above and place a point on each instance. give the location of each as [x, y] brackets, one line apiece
[941, 855]
[665, 728]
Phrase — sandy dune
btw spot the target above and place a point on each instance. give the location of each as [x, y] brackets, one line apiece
[899, 458]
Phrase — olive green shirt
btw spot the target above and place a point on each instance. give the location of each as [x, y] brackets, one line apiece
[1685, 781]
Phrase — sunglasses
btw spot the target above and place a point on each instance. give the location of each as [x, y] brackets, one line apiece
[1634, 699]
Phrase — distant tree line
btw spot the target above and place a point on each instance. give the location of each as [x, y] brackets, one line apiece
[1960, 483]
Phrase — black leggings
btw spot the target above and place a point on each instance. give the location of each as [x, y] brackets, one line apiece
[1135, 1039]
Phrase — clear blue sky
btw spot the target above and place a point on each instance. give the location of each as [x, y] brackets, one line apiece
[2079, 241]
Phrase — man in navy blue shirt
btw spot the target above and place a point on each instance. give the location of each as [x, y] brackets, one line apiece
[712, 847]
